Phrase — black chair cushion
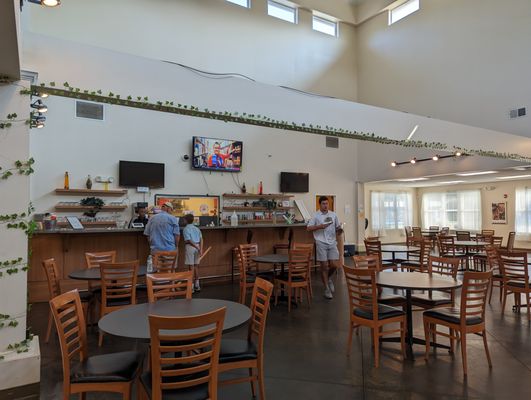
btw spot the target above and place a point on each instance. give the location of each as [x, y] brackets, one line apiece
[517, 283]
[262, 274]
[456, 254]
[114, 367]
[199, 392]
[233, 350]
[384, 312]
[391, 299]
[451, 315]
[284, 277]
[435, 300]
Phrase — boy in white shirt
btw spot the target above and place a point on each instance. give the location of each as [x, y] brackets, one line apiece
[193, 246]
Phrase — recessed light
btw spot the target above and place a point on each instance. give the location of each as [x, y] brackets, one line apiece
[412, 179]
[451, 182]
[477, 173]
[514, 177]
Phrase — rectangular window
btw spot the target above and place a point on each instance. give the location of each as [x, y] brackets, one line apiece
[522, 216]
[403, 10]
[456, 210]
[243, 3]
[391, 210]
[324, 25]
[282, 11]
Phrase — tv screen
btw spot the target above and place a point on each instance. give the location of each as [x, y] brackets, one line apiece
[294, 182]
[135, 173]
[217, 154]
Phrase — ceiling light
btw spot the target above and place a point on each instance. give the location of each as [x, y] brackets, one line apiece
[451, 182]
[477, 173]
[458, 154]
[514, 177]
[46, 3]
[413, 161]
[37, 93]
[435, 157]
[39, 106]
[412, 132]
[412, 179]
[393, 164]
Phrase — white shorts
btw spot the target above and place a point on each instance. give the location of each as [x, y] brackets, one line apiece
[326, 252]
[191, 255]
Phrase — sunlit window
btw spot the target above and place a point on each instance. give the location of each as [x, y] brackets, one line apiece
[324, 25]
[403, 10]
[243, 3]
[282, 11]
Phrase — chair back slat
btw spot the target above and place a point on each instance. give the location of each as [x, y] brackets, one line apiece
[187, 359]
[260, 301]
[94, 259]
[169, 285]
[493, 258]
[362, 290]
[299, 264]
[246, 252]
[487, 232]
[445, 266]
[369, 262]
[165, 261]
[417, 232]
[474, 294]
[118, 284]
[497, 241]
[462, 235]
[52, 277]
[514, 267]
[510, 240]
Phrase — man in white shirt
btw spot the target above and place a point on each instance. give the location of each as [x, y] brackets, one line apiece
[325, 226]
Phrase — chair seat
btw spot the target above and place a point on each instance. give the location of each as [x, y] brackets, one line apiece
[517, 283]
[435, 300]
[262, 274]
[384, 312]
[233, 350]
[85, 296]
[199, 392]
[391, 299]
[114, 367]
[285, 277]
[451, 315]
[453, 255]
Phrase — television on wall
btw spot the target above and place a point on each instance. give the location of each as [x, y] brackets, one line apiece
[294, 182]
[136, 173]
[217, 154]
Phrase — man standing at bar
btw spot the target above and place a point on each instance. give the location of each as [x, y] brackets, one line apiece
[325, 226]
[162, 230]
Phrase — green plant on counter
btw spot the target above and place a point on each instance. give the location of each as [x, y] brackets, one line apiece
[22, 167]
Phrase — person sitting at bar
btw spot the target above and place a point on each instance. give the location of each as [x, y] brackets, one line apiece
[162, 230]
[141, 217]
[193, 242]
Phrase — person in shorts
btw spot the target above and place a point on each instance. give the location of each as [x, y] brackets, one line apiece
[325, 226]
[193, 248]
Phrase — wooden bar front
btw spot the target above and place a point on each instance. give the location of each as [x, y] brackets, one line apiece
[69, 247]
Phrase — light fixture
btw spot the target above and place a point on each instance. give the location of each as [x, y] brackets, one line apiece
[416, 160]
[458, 154]
[42, 95]
[413, 160]
[46, 3]
[39, 106]
[435, 157]
[514, 177]
[412, 132]
[37, 120]
[412, 179]
[393, 164]
[477, 173]
[451, 182]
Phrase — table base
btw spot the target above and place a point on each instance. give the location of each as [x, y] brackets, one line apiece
[409, 346]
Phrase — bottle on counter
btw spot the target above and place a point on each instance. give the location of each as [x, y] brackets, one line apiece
[260, 188]
[66, 181]
[234, 219]
[244, 189]
[149, 264]
[88, 184]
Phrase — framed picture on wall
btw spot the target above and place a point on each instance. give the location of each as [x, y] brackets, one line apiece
[331, 201]
[499, 213]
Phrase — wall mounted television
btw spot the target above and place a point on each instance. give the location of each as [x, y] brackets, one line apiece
[294, 182]
[217, 154]
[136, 173]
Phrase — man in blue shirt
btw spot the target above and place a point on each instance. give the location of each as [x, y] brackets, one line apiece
[162, 230]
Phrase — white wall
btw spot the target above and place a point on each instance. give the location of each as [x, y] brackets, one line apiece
[212, 35]
[463, 60]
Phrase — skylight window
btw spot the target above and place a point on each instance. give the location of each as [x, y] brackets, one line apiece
[243, 3]
[403, 10]
[282, 11]
[324, 25]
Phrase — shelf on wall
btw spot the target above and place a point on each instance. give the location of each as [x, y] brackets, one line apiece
[116, 207]
[93, 192]
[90, 223]
[256, 196]
[253, 209]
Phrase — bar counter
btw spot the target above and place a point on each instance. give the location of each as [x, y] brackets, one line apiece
[68, 247]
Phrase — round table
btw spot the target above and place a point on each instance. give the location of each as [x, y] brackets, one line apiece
[272, 259]
[409, 281]
[132, 322]
[93, 274]
[398, 248]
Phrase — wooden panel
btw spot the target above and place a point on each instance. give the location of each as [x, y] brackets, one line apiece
[91, 192]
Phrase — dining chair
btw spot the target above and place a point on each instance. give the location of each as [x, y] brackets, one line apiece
[408, 231]
[418, 261]
[365, 310]
[246, 252]
[296, 279]
[118, 287]
[311, 248]
[54, 290]
[462, 235]
[93, 260]
[169, 285]
[469, 318]
[515, 272]
[497, 241]
[184, 364]
[445, 230]
[115, 372]
[165, 261]
[510, 241]
[284, 246]
[448, 249]
[487, 232]
[417, 232]
[438, 298]
[434, 228]
[374, 247]
[249, 353]
[493, 261]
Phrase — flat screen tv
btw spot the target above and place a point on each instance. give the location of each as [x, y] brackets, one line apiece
[136, 173]
[217, 154]
[294, 182]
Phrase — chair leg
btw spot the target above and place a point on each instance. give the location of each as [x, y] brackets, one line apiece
[49, 329]
[501, 291]
[308, 297]
[261, 383]
[82, 396]
[376, 342]
[253, 390]
[452, 341]
[528, 307]
[349, 341]
[504, 301]
[463, 352]
[427, 334]
[403, 338]
[491, 288]
[486, 348]
[289, 298]
[126, 395]
[100, 339]
[277, 289]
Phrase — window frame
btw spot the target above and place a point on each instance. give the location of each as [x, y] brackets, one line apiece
[285, 7]
[236, 2]
[460, 210]
[324, 20]
[395, 210]
[400, 7]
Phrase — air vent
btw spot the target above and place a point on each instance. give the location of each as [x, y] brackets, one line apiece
[332, 142]
[517, 112]
[89, 110]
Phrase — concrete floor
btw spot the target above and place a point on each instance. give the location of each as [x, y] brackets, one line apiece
[306, 357]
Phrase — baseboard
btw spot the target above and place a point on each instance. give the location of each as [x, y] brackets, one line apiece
[26, 392]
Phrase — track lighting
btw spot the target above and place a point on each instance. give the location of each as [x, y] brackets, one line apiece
[46, 3]
[37, 120]
[39, 106]
[393, 164]
[42, 95]
[436, 157]
[458, 154]
[413, 160]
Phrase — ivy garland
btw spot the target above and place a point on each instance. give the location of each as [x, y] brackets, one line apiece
[22, 167]
[252, 119]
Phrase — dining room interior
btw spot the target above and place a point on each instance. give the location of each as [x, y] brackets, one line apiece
[236, 199]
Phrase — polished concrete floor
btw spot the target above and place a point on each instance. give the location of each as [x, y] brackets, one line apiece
[306, 357]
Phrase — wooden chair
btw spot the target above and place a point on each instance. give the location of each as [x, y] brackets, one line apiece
[448, 249]
[462, 235]
[118, 287]
[165, 261]
[249, 353]
[296, 278]
[497, 241]
[433, 299]
[284, 246]
[365, 310]
[184, 365]
[510, 241]
[310, 247]
[493, 261]
[515, 272]
[408, 231]
[418, 261]
[114, 372]
[374, 247]
[245, 263]
[54, 290]
[169, 285]
[469, 318]
[487, 232]
[417, 232]
[445, 230]
[93, 260]
[434, 228]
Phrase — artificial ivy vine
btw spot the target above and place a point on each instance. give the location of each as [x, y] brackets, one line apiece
[22, 167]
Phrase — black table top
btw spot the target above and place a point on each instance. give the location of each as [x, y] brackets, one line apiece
[132, 321]
[395, 248]
[93, 274]
[469, 243]
[272, 259]
[416, 280]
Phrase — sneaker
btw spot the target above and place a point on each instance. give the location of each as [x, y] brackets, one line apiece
[197, 288]
[331, 285]
[328, 294]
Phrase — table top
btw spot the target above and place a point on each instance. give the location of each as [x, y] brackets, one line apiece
[132, 322]
[415, 280]
[93, 274]
[392, 248]
[272, 259]
[469, 243]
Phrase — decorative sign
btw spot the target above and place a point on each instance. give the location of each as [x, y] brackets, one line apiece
[499, 213]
